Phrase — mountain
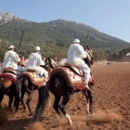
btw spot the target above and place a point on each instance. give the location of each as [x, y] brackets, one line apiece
[54, 37]
[7, 17]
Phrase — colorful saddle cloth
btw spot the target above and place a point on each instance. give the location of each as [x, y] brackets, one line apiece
[35, 79]
[72, 75]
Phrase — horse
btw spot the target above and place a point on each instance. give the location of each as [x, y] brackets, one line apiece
[29, 81]
[7, 86]
[60, 88]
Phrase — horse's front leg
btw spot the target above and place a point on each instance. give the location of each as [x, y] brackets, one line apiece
[21, 99]
[1, 95]
[64, 102]
[10, 102]
[30, 94]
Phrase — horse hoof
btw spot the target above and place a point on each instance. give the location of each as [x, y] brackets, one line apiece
[25, 110]
[70, 123]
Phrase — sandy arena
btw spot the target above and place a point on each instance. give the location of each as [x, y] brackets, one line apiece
[111, 95]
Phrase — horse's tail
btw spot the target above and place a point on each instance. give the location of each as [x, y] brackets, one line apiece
[42, 99]
[17, 97]
[17, 92]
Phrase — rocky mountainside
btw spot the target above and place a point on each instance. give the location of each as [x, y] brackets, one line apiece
[7, 17]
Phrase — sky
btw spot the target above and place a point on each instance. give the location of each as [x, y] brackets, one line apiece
[108, 16]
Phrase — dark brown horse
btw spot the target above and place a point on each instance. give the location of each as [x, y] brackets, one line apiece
[7, 86]
[28, 82]
[62, 91]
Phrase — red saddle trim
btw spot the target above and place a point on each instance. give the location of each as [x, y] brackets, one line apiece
[8, 76]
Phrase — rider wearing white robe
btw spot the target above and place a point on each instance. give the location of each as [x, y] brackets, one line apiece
[11, 60]
[75, 56]
[34, 62]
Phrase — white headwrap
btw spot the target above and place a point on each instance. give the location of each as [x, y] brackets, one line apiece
[11, 46]
[37, 48]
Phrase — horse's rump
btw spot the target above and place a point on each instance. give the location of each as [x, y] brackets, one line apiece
[6, 82]
[33, 77]
[72, 76]
[6, 79]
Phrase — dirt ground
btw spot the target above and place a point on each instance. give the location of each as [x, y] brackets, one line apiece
[111, 95]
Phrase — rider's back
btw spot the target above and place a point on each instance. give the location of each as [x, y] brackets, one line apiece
[34, 60]
[76, 54]
[11, 59]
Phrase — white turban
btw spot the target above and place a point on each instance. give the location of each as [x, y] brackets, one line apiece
[11, 46]
[37, 48]
[76, 41]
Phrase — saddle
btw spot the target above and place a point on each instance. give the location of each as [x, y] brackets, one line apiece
[9, 70]
[33, 77]
[72, 75]
[74, 68]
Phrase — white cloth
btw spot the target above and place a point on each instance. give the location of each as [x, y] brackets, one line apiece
[75, 56]
[34, 62]
[87, 73]
[11, 59]
[20, 68]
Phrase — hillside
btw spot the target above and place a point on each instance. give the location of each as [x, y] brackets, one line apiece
[55, 36]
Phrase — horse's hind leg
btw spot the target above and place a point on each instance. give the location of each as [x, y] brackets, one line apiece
[56, 104]
[89, 98]
[64, 102]
[28, 102]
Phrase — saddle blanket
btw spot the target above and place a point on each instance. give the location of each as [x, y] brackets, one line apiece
[34, 78]
[73, 79]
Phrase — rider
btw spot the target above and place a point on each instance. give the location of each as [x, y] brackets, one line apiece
[75, 56]
[35, 62]
[11, 60]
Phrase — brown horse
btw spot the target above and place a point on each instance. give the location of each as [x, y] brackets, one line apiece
[62, 88]
[7, 86]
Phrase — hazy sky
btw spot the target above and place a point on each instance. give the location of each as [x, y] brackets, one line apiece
[108, 16]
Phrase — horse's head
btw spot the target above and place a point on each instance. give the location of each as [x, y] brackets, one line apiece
[50, 63]
[89, 59]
